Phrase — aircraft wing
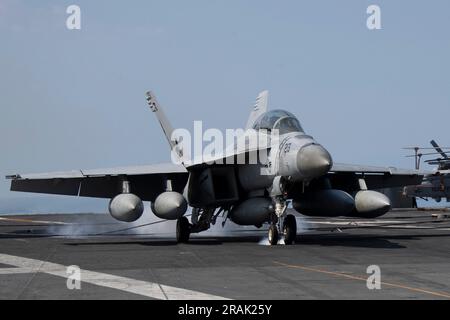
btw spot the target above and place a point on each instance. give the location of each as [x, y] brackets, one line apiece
[343, 167]
[345, 176]
[147, 181]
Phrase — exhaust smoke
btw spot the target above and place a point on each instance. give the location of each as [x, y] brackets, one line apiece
[103, 225]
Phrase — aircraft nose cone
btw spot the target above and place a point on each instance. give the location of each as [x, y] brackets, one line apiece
[313, 161]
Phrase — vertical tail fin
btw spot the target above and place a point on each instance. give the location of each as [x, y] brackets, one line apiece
[167, 128]
[259, 108]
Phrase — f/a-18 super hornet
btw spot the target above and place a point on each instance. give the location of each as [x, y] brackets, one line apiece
[435, 185]
[293, 169]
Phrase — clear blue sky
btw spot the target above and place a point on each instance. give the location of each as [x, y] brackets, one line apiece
[75, 99]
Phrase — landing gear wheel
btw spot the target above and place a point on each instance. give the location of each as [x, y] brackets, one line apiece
[289, 229]
[183, 230]
[273, 235]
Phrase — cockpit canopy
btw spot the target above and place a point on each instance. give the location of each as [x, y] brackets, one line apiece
[282, 120]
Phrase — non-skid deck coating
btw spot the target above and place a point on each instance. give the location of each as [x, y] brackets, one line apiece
[328, 261]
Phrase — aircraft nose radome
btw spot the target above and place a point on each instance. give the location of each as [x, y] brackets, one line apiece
[314, 161]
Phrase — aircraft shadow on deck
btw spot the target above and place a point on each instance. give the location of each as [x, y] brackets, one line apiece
[385, 241]
[357, 241]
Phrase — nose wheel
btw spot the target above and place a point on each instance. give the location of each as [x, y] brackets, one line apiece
[273, 234]
[289, 229]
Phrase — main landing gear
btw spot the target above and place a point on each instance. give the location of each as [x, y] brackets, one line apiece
[183, 230]
[289, 229]
[201, 219]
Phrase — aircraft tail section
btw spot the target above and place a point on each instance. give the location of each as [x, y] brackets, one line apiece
[167, 128]
[259, 108]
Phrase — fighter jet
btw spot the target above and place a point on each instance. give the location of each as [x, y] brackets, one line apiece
[294, 170]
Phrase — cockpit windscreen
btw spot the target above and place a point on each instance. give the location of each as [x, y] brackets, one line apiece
[282, 120]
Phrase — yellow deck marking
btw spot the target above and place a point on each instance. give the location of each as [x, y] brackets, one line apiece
[347, 276]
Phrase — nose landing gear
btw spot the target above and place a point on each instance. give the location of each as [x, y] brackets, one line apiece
[289, 229]
[273, 234]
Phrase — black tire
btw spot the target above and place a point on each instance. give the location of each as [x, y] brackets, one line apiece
[183, 230]
[273, 235]
[289, 229]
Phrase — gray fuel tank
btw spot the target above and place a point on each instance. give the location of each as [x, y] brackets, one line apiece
[324, 203]
[126, 207]
[252, 212]
[169, 205]
[370, 204]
